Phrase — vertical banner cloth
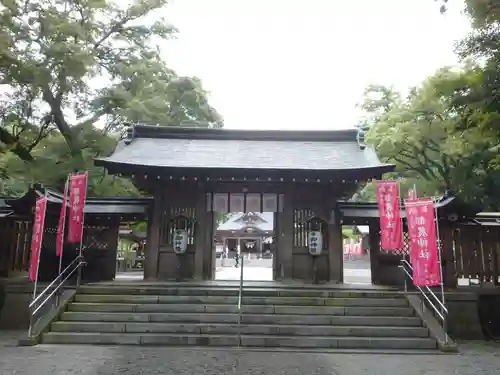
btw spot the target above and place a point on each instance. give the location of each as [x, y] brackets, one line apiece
[37, 236]
[423, 242]
[391, 231]
[60, 225]
[77, 195]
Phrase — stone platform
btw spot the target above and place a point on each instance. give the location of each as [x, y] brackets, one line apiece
[272, 315]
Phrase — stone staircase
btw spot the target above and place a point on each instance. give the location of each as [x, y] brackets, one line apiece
[208, 316]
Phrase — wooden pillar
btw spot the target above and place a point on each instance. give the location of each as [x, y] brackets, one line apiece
[285, 236]
[201, 234]
[111, 238]
[273, 247]
[151, 251]
[335, 248]
[211, 230]
[374, 243]
[208, 251]
[449, 275]
[495, 256]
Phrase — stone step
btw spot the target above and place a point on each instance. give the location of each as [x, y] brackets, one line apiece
[330, 342]
[233, 291]
[155, 299]
[180, 318]
[221, 300]
[233, 309]
[246, 329]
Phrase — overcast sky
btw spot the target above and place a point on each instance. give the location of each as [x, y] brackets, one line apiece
[303, 64]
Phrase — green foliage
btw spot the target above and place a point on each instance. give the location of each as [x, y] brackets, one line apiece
[52, 163]
[221, 218]
[445, 136]
[153, 94]
[72, 73]
[485, 14]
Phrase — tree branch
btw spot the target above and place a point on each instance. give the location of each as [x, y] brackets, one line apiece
[62, 124]
[17, 148]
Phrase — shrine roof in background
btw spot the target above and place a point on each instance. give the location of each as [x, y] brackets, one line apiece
[127, 208]
[5, 208]
[237, 222]
[449, 208]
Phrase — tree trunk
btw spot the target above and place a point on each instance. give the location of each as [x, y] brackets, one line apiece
[65, 129]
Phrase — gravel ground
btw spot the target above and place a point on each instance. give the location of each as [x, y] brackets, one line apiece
[476, 358]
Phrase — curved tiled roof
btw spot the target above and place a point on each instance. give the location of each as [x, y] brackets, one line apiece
[172, 147]
[234, 223]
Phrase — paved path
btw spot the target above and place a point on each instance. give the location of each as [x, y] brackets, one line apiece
[356, 271]
[476, 359]
[249, 273]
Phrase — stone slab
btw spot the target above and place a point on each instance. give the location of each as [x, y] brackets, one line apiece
[386, 343]
[233, 340]
[247, 329]
[215, 300]
[194, 318]
[379, 311]
[90, 338]
[104, 317]
[115, 298]
[139, 339]
[233, 309]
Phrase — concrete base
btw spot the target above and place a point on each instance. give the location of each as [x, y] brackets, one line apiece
[14, 313]
[436, 329]
[463, 316]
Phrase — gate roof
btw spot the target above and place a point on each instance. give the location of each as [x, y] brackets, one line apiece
[224, 149]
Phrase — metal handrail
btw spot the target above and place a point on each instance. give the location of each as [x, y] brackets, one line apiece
[36, 305]
[442, 311]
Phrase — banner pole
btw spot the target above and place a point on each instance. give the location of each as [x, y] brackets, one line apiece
[63, 227]
[438, 239]
[401, 205]
[79, 277]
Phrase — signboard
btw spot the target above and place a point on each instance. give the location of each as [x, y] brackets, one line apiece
[423, 242]
[391, 231]
[37, 236]
[77, 196]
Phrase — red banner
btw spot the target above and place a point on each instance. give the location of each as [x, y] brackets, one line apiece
[391, 231]
[423, 242]
[353, 248]
[37, 236]
[77, 195]
[60, 225]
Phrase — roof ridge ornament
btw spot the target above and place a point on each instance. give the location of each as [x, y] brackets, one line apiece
[360, 138]
[130, 133]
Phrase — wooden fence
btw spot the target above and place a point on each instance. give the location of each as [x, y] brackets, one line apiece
[470, 253]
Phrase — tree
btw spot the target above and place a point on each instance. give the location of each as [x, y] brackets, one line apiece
[52, 162]
[445, 134]
[412, 133]
[483, 13]
[436, 140]
[378, 99]
[94, 60]
[152, 93]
